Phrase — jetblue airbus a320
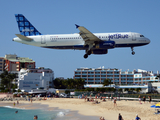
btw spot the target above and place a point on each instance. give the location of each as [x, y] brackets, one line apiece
[92, 43]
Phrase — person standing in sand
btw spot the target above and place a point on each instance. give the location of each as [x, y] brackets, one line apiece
[14, 104]
[137, 118]
[114, 101]
[120, 117]
[149, 99]
[144, 99]
[139, 99]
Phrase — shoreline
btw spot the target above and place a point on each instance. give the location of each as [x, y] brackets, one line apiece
[128, 109]
[66, 113]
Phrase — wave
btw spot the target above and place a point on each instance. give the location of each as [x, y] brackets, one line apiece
[13, 107]
[60, 114]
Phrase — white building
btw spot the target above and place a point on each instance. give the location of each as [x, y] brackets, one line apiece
[35, 78]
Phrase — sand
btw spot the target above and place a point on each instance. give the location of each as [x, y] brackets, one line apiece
[128, 109]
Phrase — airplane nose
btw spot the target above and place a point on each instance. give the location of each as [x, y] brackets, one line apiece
[148, 41]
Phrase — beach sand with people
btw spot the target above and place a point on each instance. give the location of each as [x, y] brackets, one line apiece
[128, 109]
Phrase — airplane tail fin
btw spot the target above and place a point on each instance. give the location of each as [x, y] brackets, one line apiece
[25, 27]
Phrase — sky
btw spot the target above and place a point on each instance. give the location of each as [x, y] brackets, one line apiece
[98, 16]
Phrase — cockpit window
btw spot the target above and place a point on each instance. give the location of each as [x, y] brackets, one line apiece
[141, 35]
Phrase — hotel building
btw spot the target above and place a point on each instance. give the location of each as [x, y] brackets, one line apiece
[35, 78]
[14, 63]
[117, 77]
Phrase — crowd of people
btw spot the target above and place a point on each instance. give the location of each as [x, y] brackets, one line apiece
[114, 99]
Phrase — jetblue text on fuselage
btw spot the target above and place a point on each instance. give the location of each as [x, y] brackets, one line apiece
[117, 36]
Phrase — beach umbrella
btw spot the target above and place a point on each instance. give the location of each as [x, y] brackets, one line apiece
[153, 106]
[158, 104]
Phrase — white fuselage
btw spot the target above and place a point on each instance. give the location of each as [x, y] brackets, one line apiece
[75, 41]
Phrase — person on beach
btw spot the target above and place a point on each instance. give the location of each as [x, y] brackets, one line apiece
[111, 97]
[144, 99]
[108, 97]
[114, 101]
[120, 117]
[85, 98]
[101, 118]
[90, 97]
[137, 118]
[149, 99]
[139, 99]
[95, 96]
[14, 104]
[17, 102]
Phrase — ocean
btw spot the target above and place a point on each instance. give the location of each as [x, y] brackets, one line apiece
[43, 113]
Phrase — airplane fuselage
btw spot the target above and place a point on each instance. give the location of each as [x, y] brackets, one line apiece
[75, 41]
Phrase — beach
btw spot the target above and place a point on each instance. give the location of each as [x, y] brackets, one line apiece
[128, 109]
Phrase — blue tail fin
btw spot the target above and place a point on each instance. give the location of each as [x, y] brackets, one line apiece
[25, 27]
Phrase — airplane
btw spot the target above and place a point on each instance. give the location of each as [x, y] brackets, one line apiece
[92, 43]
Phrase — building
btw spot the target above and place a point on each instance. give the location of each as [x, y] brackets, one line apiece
[14, 63]
[41, 78]
[2, 63]
[118, 77]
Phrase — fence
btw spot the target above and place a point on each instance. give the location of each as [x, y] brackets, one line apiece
[153, 96]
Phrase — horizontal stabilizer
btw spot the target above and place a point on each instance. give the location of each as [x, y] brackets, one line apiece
[24, 37]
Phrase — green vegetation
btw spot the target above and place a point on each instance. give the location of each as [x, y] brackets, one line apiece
[69, 83]
[6, 82]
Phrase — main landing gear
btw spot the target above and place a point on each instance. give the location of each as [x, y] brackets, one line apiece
[132, 51]
[87, 53]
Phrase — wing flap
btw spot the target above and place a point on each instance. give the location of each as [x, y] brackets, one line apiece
[24, 37]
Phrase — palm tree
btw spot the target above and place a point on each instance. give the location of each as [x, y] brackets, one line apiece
[120, 90]
[107, 82]
[80, 83]
[138, 90]
[6, 80]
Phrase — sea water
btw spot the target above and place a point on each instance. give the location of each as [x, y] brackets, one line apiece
[8, 113]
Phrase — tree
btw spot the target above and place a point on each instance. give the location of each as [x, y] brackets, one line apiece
[70, 83]
[126, 89]
[120, 90]
[138, 90]
[59, 84]
[131, 89]
[6, 81]
[80, 83]
[107, 82]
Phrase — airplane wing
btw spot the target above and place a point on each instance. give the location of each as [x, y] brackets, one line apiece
[87, 36]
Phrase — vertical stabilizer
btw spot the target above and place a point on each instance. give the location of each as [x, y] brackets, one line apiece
[25, 27]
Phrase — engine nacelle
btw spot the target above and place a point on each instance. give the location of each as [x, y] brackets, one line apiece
[105, 45]
[99, 51]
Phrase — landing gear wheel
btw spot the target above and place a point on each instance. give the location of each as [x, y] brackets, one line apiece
[133, 53]
[86, 56]
[89, 52]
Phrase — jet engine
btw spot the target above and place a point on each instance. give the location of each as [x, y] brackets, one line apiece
[99, 51]
[105, 45]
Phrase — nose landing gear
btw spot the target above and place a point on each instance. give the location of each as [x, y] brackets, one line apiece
[132, 51]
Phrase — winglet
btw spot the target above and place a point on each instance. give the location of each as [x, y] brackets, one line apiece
[77, 26]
